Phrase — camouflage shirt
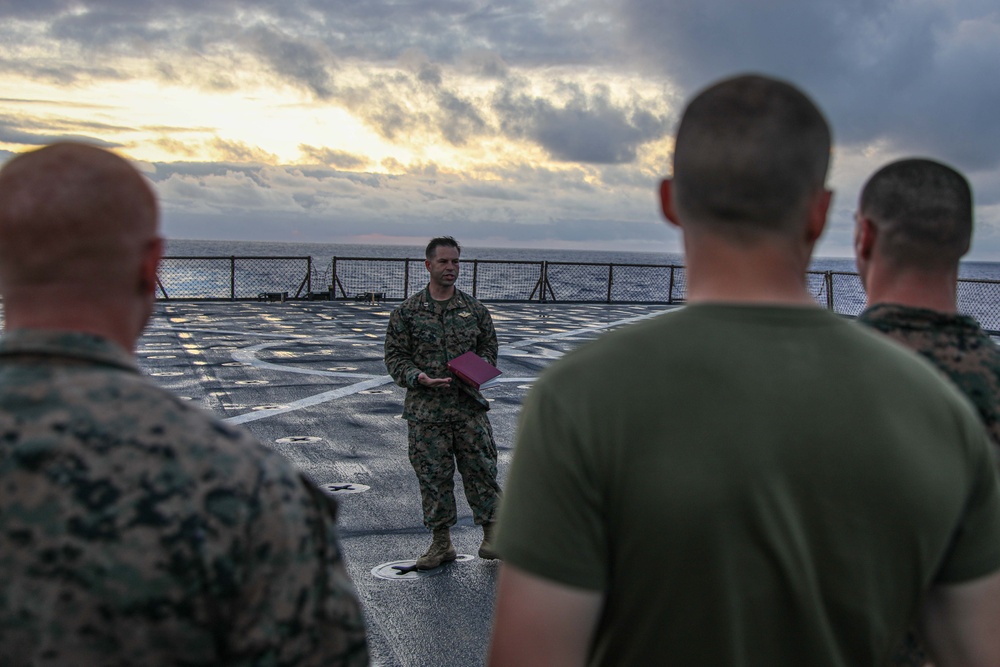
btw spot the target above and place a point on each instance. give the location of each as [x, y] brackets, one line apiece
[954, 343]
[422, 337]
[137, 530]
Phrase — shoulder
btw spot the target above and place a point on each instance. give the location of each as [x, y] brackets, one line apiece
[412, 304]
[177, 430]
[471, 302]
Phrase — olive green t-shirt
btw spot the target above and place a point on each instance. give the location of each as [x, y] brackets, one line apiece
[749, 486]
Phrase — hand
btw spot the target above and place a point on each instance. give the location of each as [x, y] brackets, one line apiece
[427, 381]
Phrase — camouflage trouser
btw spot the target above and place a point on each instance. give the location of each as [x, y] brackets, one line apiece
[435, 448]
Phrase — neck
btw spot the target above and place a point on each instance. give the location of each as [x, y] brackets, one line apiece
[439, 293]
[764, 271]
[105, 317]
[932, 289]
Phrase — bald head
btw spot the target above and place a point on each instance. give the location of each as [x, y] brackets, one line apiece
[79, 247]
[72, 214]
[751, 152]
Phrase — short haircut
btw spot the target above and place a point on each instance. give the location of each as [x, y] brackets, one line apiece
[750, 153]
[439, 241]
[922, 210]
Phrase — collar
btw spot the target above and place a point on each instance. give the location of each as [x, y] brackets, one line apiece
[457, 300]
[66, 344]
[917, 318]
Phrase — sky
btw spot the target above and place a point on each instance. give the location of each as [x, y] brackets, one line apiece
[506, 123]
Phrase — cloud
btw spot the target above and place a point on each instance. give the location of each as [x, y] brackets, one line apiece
[238, 151]
[334, 158]
[589, 127]
[916, 75]
[305, 61]
[23, 131]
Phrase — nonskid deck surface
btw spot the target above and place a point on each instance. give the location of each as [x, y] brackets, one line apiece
[307, 379]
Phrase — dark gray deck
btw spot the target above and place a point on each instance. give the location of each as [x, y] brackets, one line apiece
[307, 379]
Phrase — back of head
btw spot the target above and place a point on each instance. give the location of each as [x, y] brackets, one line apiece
[923, 212]
[74, 217]
[750, 153]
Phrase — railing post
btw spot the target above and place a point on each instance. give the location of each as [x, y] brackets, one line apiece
[670, 290]
[545, 281]
[309, 275]
[406, 278]
[232, 278]
[829, 290]
[611, 274]
[475, 276]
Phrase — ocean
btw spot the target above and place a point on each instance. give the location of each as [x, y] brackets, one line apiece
[324, 252]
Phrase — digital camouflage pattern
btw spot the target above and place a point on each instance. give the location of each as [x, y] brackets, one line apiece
[954, 343]
[137, 530]
[433, 450]
[958, 346]
[423, 336]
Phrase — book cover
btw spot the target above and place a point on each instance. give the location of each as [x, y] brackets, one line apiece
[473, 369]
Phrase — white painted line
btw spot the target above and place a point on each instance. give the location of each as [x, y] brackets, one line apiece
[310, 401]
[248, 355]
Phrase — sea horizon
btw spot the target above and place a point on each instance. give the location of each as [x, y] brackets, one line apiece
[325, 252]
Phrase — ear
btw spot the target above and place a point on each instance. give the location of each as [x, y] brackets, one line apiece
[149, 266]
[667, 202]
[818, 212]
[865, 233]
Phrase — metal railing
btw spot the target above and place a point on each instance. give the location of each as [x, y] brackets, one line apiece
[375, 279]
[234, 278]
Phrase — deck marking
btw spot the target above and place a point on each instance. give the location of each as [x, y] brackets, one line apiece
[248, 355]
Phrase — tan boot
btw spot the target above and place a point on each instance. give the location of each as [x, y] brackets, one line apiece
[486, 549]
[439, 552]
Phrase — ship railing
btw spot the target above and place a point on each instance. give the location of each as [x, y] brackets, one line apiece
[376, 279]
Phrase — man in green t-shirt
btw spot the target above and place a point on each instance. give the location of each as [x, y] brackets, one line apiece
[750, 480]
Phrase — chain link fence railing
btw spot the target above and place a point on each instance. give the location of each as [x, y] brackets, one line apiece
[375, 279]
[234, 278]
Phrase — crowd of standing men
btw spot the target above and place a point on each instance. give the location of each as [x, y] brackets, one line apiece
[809, 491]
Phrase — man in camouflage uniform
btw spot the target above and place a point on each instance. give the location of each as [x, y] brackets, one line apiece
[446, 417]
[134, 528]
[914, 224]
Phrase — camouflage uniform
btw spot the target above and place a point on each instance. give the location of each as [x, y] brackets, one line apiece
[957, 345]
[137, 530]
[446, 424]
[954, 343]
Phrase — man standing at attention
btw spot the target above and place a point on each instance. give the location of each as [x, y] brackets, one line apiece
[750, 480]
[914, 224]
[446, 417]
[134, 528]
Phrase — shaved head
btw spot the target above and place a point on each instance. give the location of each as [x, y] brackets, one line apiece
[923, 211]
[72, 214]
[79, 247]
[750, 153]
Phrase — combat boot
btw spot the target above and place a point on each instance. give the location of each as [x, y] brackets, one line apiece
[486, 549]
[439, 552]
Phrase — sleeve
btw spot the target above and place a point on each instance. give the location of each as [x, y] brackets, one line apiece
[298, 605]
[486, 343]
[975, 547]
[399, 351]
[551, 517]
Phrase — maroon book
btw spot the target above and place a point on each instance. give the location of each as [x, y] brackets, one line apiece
[473, 369]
